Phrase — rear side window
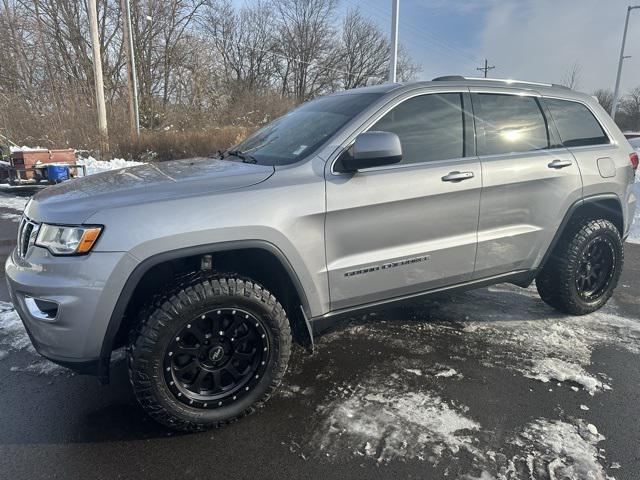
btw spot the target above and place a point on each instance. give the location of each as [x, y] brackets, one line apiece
[509, 124]
[576, 124]
[430, 127]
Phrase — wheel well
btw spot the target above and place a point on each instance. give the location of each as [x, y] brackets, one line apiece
[258, 264]
[606, 208]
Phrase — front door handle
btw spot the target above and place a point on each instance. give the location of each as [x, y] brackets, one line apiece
[560, 163]
[457, 176]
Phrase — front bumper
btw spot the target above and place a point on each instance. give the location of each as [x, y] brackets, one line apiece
[84, 291]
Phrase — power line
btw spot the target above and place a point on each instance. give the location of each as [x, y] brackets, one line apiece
[486, 68]
[443, 44]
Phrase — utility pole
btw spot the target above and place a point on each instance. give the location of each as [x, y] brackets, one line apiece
[616, 91]
[99, 83]
[486, 67]
[393, 61]
[132, 80]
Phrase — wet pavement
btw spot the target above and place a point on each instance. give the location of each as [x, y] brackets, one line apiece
[484, 384]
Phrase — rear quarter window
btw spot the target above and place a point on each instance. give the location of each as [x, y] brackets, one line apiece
[576, 124]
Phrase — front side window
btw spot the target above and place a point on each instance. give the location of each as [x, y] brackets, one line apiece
[430, 127]
[576, 124]
[509, 124]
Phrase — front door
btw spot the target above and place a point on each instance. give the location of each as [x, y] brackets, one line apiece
[396, 230]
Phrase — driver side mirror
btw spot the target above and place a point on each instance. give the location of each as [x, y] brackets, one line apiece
[371, 149]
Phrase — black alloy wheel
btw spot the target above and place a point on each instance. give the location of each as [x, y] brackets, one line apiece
[595, 268]
[216, 357]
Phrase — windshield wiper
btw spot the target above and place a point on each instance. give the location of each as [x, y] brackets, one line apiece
[245, 157]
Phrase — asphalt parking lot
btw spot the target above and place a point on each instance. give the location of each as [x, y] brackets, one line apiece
[479, 385]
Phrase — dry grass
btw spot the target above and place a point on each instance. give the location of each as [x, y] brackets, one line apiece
[176, 132]
[171, 145]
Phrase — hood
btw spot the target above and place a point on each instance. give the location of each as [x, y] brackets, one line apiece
[75, 200]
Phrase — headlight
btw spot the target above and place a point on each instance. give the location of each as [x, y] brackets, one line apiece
[61, 240]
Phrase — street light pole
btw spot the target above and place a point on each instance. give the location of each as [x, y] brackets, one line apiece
[393, 61]
[616, 91]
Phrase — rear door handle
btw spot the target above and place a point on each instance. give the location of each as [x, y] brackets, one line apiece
[560, 163]
[457, 176]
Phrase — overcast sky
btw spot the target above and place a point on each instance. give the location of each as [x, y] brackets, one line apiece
[525, 39]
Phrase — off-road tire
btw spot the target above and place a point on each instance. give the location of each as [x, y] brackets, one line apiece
[168, 312]
[556, 282]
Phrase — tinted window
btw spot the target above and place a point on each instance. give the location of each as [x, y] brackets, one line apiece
[509, 123]
[576, 124]
[429, 127]
[303, 130]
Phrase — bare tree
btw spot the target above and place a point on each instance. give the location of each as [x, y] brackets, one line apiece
[630, 108]
[605, 98]
[364, 52]
[572, 77]
[305, 45]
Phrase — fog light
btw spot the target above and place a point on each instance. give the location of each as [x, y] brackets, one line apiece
[41, 309]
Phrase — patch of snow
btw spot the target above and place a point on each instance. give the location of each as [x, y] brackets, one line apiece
[14, 217]
[562, 450]
[385, 423]
[584, 407]
[96, 166]
[634, 231]
[544, 345]
[12, 333]
[13, 202]
[447, 373]
[13, 337]
[24, 149]
[415, 371]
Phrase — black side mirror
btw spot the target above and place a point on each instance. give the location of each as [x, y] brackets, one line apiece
[371, 149]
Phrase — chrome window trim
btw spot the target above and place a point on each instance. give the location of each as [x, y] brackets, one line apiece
[419, 164]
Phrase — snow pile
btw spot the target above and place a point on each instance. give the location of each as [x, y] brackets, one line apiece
[13, 217]
[12, 333]
[13, 337]
[634, 232]
[97, 166]
[384, 423]
[14, 203]
[562, 450]
[25, 149]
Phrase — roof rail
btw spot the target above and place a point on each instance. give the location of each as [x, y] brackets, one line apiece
[508, 81]
[448, 78]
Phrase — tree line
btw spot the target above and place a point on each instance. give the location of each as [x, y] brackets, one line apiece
[199, 62]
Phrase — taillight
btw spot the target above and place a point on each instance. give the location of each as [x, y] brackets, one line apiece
[633, 157]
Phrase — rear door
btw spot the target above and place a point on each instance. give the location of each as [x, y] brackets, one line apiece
[529, 180]
[400, 229]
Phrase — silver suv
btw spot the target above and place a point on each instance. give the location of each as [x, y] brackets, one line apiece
[204, 269]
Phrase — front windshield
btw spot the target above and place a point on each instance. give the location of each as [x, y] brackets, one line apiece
[303, 130]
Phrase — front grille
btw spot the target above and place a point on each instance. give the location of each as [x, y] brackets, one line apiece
[27, 233]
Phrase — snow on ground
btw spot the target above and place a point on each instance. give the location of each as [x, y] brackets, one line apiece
[13, 338]
[13, 202]
[97, 166]
[386, 423]
[634, 232]
[544, 345]
[13, 217]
